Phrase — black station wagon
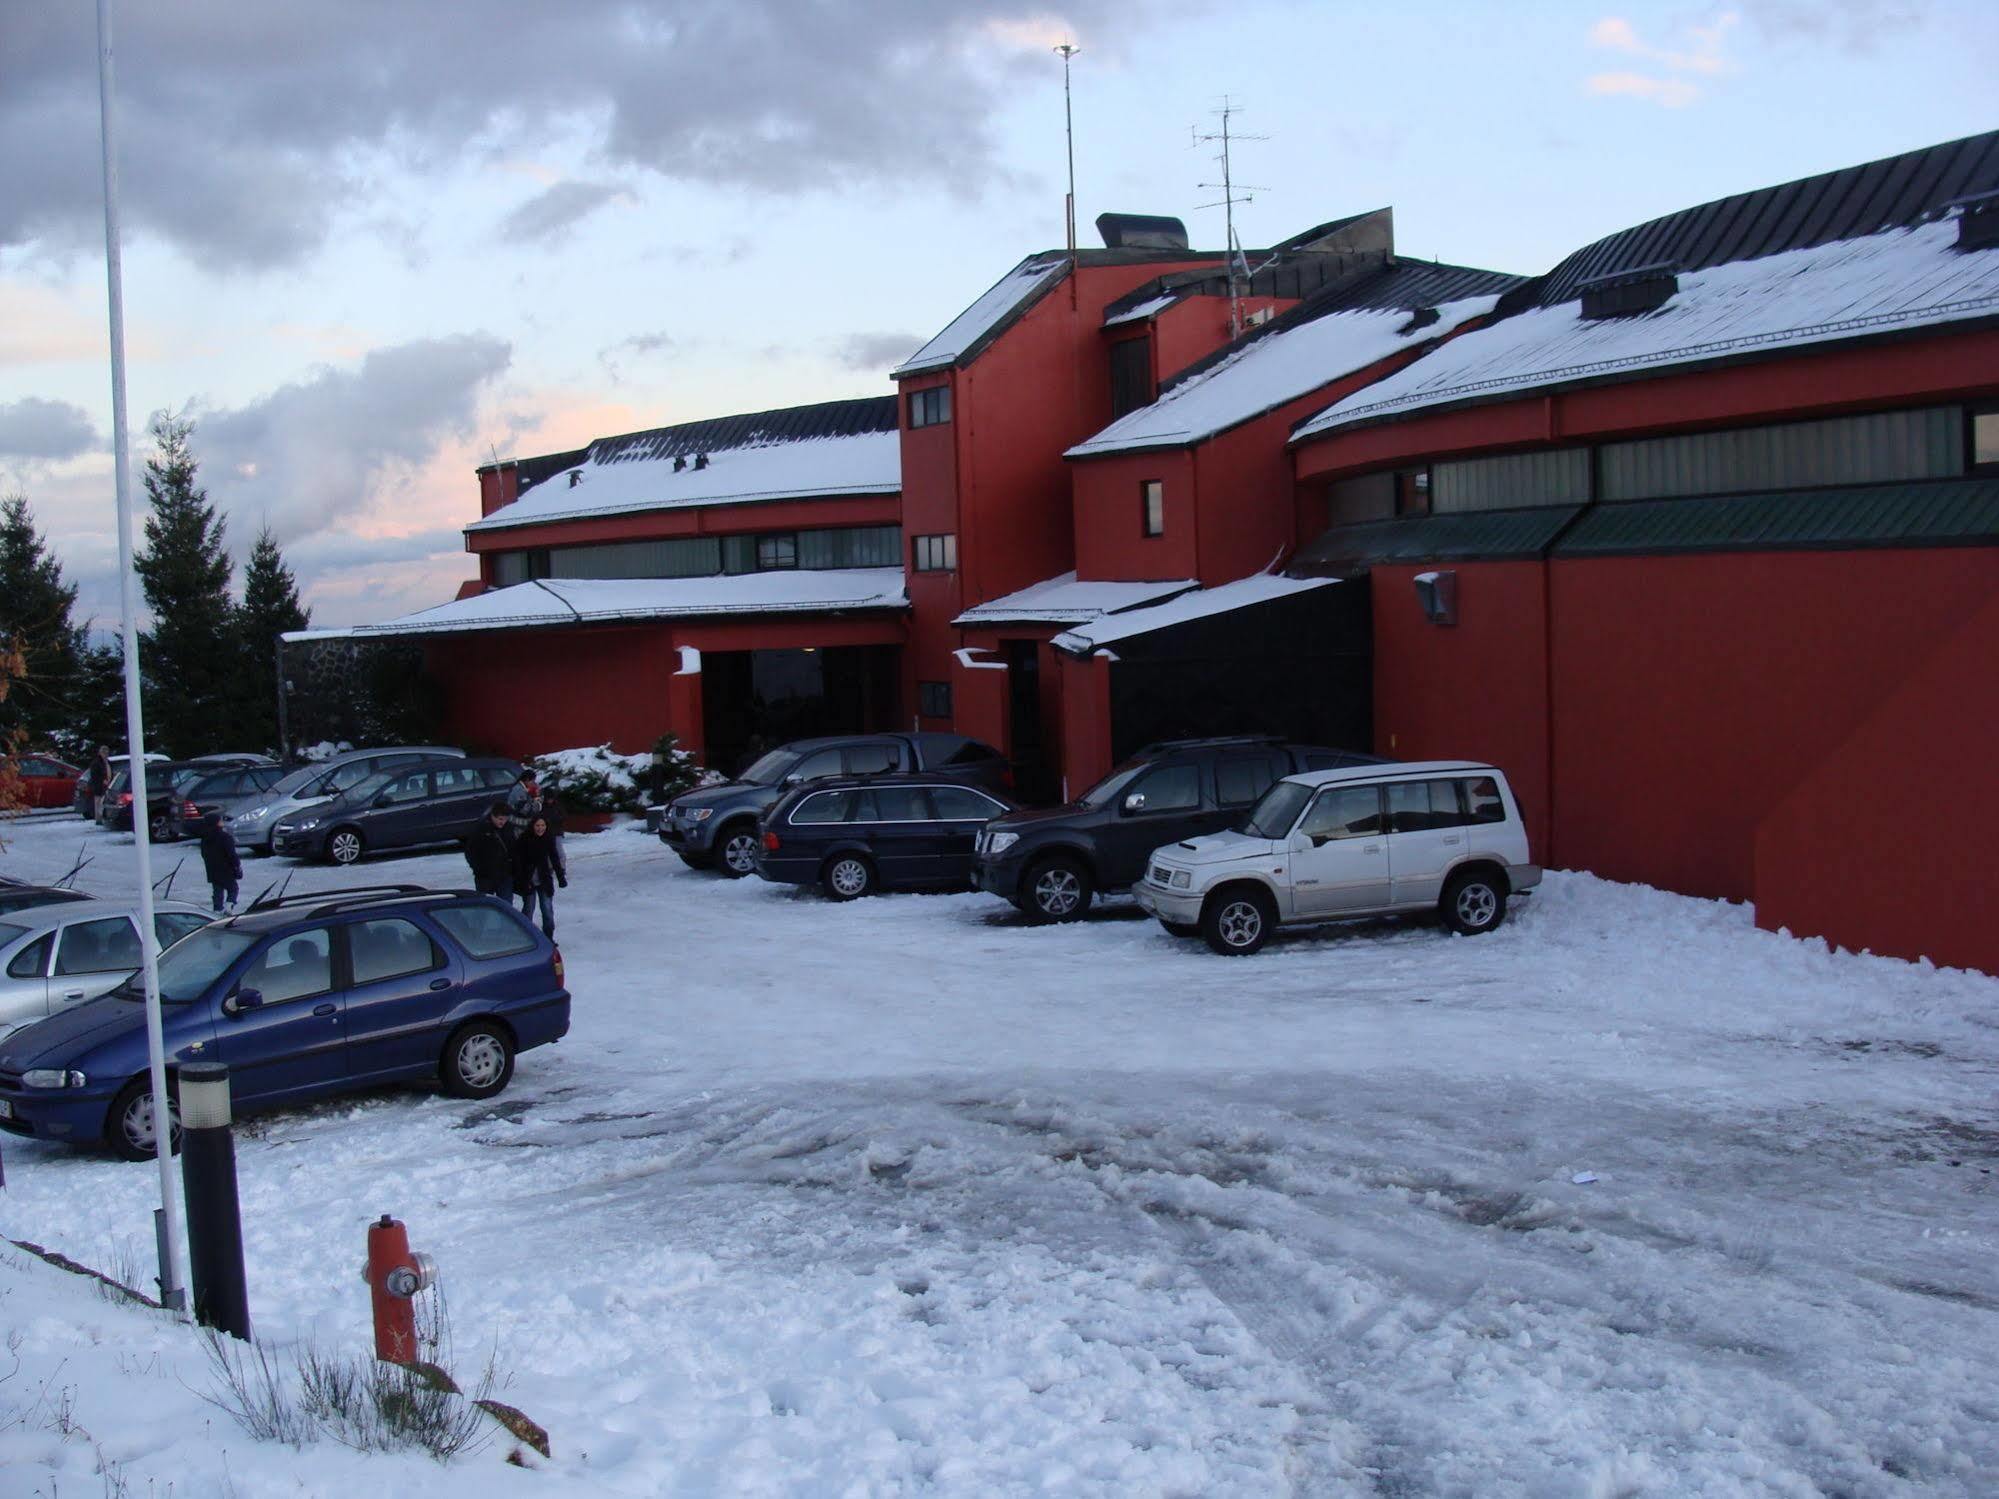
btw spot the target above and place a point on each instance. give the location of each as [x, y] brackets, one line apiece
[854, 836]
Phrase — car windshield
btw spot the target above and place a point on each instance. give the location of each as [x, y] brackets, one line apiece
[1273, 815]
[769, 768]
[297, 778]
[190, 966]
[1105, 791]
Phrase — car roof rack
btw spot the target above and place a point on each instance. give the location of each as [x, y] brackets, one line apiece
[281, 901]
[1220, 741]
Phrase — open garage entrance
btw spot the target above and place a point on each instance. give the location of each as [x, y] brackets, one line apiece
[752, 700]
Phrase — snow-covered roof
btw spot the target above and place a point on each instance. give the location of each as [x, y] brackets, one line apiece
[563, 601]
[1199, 604]
[616, 484]
[1142, 310]
[1903, 278]
[1267, 372]
[970, 328]
[1065, 601]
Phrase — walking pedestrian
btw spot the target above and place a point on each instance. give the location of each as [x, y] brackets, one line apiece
[524, 801]
[98, 778]
[489, 850]
[538, 870]
[220, 862]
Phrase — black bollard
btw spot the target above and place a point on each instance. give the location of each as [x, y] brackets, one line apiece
[208, 1179]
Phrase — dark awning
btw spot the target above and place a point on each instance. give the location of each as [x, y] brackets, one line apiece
[1466, 536]
[1947, 512]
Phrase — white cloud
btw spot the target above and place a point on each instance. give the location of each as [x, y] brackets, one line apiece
[1676, 71]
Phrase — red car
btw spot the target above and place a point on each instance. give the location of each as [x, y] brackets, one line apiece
[47, 781]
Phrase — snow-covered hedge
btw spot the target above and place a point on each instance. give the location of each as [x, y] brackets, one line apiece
[599, 779]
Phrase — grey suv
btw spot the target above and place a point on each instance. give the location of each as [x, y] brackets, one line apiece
[715, 827]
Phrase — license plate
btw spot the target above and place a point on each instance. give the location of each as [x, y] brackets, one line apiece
[6, 1109]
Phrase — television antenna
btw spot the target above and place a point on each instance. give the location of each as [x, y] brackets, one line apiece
[1232, 192]
[1066, 51]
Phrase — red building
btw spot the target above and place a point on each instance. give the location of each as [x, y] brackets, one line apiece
[1699, 537]
[1697, 534]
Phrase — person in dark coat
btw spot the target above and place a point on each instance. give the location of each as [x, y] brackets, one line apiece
[538, 870]
[220, 861]
[98, 779]
[490, 851]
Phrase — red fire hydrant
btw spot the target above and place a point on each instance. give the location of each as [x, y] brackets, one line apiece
[394, 1276]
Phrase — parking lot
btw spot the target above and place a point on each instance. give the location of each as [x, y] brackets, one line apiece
[905, 1195]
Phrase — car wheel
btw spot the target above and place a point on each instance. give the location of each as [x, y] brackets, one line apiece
[478, 1061]
[1237, 922]
[736, 850]
[161, 827]
[128, 1128]
[1058, 889]
[848, 877]
[1473, 902]
[346, 845]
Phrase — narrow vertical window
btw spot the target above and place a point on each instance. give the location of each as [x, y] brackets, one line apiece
[1152, 507]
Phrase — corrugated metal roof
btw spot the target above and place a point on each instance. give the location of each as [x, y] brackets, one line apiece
[1894, 192]
[751, 429]
[1943, 512]
[1464, 536]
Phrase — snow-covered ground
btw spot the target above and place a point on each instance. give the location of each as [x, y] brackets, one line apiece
[904, 1196]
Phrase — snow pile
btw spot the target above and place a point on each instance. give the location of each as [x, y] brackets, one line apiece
[1904, 278]
[325, 749]
[599, 779]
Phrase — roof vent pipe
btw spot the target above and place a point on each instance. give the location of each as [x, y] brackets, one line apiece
[1977, 221]
[575, 477]
[700, 460]
[1628, 293]
[679, 462]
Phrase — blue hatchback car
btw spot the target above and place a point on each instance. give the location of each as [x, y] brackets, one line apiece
[302, 997]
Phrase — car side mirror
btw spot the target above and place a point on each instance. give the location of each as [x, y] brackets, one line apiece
[241, 1000]
[1134, 803]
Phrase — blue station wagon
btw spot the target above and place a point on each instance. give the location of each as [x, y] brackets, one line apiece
[303, 997]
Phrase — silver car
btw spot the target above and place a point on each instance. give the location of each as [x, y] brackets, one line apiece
[60, 955]
[311, 784]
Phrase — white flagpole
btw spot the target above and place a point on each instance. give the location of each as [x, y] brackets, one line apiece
[135, 727]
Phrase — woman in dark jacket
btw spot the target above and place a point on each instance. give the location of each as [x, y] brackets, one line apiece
[220, 862]
[538, 870]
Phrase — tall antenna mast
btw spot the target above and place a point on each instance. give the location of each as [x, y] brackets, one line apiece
[1232, 193]
[1067, 51]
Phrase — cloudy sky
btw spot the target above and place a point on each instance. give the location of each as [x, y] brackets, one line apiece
[371, 245]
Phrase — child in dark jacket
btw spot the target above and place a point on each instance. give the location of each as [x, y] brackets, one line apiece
[538, 870]
[220, 862]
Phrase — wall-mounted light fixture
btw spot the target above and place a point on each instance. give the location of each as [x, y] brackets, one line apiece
[1438, 594]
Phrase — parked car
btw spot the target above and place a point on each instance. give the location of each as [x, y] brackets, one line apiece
[318, 994]
[312, 784]
[1432, 835]
[228, 789]
[715, 827]
[434, 801]
[80, 801]
[231, 757]
[46, 781]
[164, 810]
[18, 897]
[854, 836]
[58, 955]
[1051, 861]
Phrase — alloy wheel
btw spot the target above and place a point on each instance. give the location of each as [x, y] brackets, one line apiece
[849, 877]
[1477, 905]
[345, 848]
[1240, 923]
[740, 853]
[1057, 891]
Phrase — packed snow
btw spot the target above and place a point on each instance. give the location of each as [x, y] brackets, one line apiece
[1139, 311]
[811, 468]
[1013, 291]
[1265, 373]
[1064, 599]
[1259, 588]
[1900, 279]
[1627, 1198]
[562, 601]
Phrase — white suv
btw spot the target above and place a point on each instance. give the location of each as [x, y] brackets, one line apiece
[1368, 840]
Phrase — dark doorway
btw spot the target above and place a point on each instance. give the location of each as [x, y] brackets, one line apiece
[751, 700]
[1033, 782]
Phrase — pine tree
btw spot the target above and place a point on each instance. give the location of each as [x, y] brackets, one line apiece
[270, 608]
[188, 658]
[35, 605]
[99, 700]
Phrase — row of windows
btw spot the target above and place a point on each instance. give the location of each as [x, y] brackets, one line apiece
[1936, 442]
[705, 556]
[897, 804]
